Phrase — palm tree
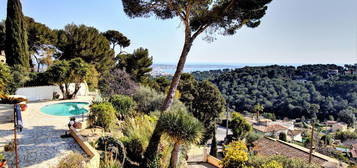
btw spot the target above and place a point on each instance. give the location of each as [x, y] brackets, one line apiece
[183, 128]
[258, 109]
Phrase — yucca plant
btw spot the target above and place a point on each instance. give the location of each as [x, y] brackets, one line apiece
[183, 128]
[5, 99]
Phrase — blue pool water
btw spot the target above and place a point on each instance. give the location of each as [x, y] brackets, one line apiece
[65, 109]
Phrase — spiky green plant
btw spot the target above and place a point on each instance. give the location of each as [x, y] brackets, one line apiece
[183, 128]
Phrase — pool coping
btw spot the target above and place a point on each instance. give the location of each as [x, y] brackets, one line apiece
[87, 108]
[36, 106]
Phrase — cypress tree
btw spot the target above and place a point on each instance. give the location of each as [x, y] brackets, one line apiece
[16, 36]
[213, 151]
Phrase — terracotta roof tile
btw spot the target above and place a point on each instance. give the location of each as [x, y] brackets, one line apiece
[269, 128]
[268, 147]
[294, 132]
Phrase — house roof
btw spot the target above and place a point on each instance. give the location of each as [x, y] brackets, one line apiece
[350, 142]
[330, 165]
[330, 122]
[270, 128]
[267, 147]
[354, 153]
[294, 132]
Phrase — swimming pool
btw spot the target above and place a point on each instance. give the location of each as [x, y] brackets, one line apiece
[65, 109]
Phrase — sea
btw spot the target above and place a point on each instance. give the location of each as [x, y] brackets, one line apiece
[169, 69]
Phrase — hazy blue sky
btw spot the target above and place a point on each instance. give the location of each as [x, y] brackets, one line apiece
[293, 31]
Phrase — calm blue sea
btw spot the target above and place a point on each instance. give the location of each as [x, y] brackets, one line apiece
[171, 68]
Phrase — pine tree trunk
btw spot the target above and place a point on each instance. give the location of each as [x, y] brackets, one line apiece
[213, 151]
[151, 150]
[176, 79]
[174, 155]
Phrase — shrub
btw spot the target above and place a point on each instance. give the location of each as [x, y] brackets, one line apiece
[235, 155]
[20, 77]
[113, 145]
[240, 126]
[148, 99]
[272, 164]
[327, 139]
[10, 147]
[73, 160]
[37, 79]
[258, 161]
[332, 152]
[105, 142]
[110, 163]
[103, 115]
[124, 106]
[5, 78]
[251, 137]
[269, 116]
[134, 148]
[137, 132]
[94, 78]
[117, 82]
[344, 135]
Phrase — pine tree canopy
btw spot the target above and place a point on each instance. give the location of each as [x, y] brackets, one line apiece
[86, 43]
[226, 16]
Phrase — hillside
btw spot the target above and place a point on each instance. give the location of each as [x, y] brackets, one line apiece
[289, 91]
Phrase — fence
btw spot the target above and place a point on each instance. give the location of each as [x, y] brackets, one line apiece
[38, 93]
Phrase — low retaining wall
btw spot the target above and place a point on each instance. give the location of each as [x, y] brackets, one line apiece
[87, 148]
[214, 161]
[210, 159]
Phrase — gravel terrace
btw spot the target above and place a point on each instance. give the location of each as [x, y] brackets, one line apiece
[40, 144]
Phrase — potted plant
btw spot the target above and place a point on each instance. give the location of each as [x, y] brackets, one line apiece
[2, 160]
[23, 107]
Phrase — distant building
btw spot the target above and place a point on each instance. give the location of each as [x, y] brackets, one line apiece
[330, 123]
[354, 151]
[336, 126]
[268, 128]
[294, 135]
[2, 56]
[340, 126]
[269, 147]
[348, 72]
[333, 72]
[286, 123]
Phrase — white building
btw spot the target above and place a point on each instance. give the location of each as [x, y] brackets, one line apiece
[340, 126]
[294, 135]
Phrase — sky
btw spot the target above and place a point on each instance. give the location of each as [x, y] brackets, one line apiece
[292, 31]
